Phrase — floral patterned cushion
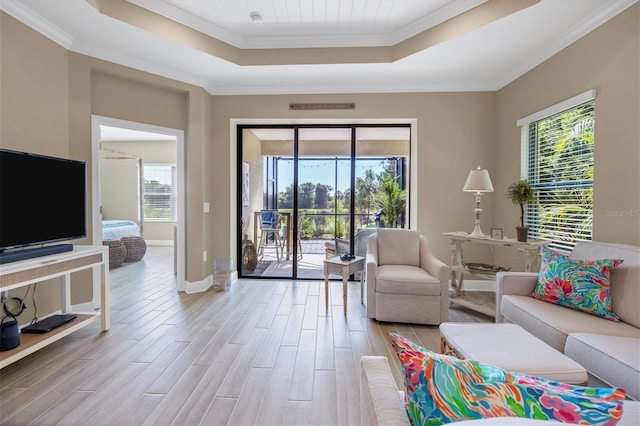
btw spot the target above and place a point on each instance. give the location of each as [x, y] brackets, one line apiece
[577, 284]
[441, 389]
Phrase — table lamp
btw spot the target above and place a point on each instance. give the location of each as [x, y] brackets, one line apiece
[479, 182]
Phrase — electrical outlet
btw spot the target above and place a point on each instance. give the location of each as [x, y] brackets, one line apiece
[205, 207]
[204, 256]
[4, 295]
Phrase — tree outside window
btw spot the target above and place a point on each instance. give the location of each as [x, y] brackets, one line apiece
[560, 168]
[160, 192]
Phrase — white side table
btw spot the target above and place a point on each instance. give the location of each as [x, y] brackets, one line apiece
[337, 266]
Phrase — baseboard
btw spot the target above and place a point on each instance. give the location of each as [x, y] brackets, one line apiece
[477, 285]
[198, 286]
[206, 284]
[159, 242]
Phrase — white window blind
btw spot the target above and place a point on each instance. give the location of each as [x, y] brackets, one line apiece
[160, 192]
[558, 162]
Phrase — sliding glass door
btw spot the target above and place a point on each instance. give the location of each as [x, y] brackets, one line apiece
[331, 187]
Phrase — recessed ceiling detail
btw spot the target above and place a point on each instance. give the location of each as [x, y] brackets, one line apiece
[472, 18]
[310, 23]
[482, 46]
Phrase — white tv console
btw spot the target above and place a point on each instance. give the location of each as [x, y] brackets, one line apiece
[26, 272]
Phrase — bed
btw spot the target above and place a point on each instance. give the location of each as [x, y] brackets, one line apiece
[116, 229]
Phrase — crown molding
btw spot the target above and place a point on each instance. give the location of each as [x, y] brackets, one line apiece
[183, 17]
[239, 90]
[139, 64]
[36, 22]
[446, 12]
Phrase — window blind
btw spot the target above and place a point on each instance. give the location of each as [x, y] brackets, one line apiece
[558, 162]
[160, 197]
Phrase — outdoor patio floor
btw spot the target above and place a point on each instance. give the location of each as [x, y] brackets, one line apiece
[310, 264]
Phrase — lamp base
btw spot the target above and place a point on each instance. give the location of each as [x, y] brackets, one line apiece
[477, 232]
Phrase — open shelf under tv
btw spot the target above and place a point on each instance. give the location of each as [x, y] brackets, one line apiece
[26, 272]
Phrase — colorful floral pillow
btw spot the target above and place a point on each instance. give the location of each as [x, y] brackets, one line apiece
[578, 284]
[441, 389]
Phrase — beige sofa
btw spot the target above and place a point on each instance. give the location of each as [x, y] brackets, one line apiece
[381, 403]
[608, 350]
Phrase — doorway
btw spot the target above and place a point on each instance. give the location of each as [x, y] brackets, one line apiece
[146, 164]
[323, 180]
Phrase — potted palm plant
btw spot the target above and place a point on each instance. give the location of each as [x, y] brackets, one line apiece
[521, 193]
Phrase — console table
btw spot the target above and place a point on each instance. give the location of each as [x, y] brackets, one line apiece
[26, 272]
[530, 249]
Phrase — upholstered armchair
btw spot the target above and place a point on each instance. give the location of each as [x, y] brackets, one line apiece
[405, 281]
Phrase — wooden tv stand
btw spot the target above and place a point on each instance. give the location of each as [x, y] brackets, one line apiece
[26, 272]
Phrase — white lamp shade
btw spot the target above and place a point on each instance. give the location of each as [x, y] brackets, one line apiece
[478, 181]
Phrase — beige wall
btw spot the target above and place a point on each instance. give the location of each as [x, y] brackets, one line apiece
[455, 133]
[120, 189]
[49, 94]
[607, 60]
[34, 112]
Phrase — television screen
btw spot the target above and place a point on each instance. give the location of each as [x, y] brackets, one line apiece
[42, 199]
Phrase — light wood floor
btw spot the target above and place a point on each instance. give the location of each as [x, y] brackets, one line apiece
[262, 352]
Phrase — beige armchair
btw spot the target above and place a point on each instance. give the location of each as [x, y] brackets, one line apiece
[405, 282]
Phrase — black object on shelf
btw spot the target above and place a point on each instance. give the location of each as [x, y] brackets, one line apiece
[47, 324]
[9, 334]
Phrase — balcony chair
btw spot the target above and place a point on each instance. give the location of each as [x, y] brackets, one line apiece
[301, 216]
[405, 282]
[270, 227]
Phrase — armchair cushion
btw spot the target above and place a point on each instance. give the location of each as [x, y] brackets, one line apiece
[401, 247]
[405, 279]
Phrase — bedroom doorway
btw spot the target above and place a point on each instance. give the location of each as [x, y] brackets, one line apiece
[138, 185]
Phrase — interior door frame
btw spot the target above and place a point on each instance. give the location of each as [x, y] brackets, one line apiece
[96, 122]
[236, 125]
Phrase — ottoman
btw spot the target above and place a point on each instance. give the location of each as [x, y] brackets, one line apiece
[511, 348]
[136, 248]
[117, 252]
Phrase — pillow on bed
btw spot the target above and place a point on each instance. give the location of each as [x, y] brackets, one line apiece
[441, 389]
[579, 284]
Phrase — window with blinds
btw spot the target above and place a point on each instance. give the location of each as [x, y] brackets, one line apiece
[160, 200]
[558, 162]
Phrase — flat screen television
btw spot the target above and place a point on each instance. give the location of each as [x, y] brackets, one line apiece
[42, 201]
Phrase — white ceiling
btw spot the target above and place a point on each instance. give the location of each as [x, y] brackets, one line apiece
[485, 58]
[310, 23]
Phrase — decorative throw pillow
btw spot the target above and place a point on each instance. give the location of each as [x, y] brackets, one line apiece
[578, 284]
[441, 389]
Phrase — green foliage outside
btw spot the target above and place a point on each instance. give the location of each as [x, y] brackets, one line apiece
[564, 181]
[372, 192]
[157, 200]
[391, 199]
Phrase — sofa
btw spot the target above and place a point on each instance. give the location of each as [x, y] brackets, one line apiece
[382, 403]
[608, 350]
